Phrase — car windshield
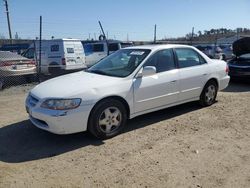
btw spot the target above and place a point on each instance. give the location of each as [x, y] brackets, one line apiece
[121, 63]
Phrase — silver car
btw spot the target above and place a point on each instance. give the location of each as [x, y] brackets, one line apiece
[12, 65]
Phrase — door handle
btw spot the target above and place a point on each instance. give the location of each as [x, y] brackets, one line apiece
[204, 74]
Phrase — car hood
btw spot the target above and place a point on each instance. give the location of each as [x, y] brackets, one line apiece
[73, 85]
[241, 46]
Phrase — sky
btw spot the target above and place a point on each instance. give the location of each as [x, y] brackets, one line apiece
[122, 19]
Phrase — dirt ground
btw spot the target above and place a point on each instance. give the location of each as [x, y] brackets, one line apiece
[183, 146]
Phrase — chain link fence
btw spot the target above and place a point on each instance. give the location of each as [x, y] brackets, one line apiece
[36, 61]
[23, 66]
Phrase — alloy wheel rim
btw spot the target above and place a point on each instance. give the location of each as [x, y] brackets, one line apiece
[110, 119]
[210, 93]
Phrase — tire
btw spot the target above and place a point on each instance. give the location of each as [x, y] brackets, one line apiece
[30, 78]
[54, 69]
[107, 119]
[209, 93]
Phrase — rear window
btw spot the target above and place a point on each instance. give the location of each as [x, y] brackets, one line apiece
[54, 48]
[70, 50]
[98, 48]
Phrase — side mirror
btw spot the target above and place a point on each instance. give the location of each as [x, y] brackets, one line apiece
[147, 71]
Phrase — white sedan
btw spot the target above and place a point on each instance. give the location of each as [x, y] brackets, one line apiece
[128, 83]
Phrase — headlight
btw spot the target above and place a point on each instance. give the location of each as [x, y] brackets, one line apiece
[61, 104]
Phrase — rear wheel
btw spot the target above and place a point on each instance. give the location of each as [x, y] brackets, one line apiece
[107, 119]
[209, 93]
[54, 69]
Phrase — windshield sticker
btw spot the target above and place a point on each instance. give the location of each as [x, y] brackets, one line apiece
[137, 53]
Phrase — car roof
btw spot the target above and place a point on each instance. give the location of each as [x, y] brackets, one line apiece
[62, 39]
[154, 47]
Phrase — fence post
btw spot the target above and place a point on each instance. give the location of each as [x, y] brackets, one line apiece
[40, 49]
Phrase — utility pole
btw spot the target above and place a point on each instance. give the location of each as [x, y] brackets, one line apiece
[192, 36]
[155, 34]
[8, 19]
[107, 35]
[237, 34]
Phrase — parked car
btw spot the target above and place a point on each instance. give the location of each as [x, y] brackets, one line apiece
[212, 51]
[12, 64]
[58, 55]
[128, 83]
[239, 66]
[96, 51]
[227, 51]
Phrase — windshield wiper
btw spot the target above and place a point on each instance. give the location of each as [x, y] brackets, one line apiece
[98, 72]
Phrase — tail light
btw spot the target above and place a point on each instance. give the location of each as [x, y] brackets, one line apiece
[227, 69]
[63, 61]
[7, 63]
[31, 62]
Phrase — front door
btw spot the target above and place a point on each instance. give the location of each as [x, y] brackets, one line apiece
[159, 89]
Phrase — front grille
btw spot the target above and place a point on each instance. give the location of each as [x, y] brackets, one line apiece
[32, 101]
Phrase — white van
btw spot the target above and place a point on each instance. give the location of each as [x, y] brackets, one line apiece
[98, 50]
[58, 55]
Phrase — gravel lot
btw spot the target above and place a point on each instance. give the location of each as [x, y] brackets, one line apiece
[183, 146]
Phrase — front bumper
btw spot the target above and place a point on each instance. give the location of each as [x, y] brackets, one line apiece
[59, 121]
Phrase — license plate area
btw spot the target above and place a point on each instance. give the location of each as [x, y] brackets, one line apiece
[19, 67]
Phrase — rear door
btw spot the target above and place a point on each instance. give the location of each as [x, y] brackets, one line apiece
[193, 71]
[69, 53]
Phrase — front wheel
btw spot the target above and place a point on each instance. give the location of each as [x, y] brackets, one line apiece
[209, 94]
[107, 119]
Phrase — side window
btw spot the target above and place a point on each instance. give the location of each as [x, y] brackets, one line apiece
[98, 48]
[188, 57]
[54, 48]
[202, 60]
[70, 50]
[162, 60]
[30, 53]
[113, 46]
[88, 49]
